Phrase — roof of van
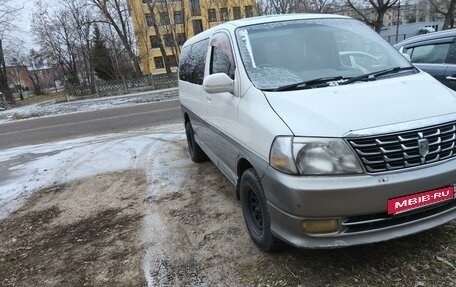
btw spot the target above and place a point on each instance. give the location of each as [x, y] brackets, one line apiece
[282, 17]
[261, 20]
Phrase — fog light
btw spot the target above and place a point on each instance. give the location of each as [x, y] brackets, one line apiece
[318, 226]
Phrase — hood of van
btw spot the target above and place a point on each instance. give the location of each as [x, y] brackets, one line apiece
[335, 111]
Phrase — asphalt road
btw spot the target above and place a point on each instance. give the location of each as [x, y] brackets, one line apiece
[48, 129]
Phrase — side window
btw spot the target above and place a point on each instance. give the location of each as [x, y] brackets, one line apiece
[184, 64]
[430, 54]
[193, 61]
[222, 60]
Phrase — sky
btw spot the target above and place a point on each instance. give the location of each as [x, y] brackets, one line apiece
[24, 23]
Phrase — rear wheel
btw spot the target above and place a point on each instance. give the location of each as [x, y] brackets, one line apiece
[255, 211]
[196, 153]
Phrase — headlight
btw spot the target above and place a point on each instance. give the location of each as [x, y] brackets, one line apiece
[313, 156]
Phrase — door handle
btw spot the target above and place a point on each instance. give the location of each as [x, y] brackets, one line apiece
[451, 78]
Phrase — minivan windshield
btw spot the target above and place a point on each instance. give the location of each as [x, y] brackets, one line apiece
[299, 53]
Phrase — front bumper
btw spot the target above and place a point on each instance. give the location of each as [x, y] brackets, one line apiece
[292, 199]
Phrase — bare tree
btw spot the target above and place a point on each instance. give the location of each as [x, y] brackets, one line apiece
[119, 58]
[35, 61]
[82, 19]
[115, 13]
[292, 6]
[8, 13]
[446, 9]
[316, 6]
[380, 7]
[154, 10]
[14, 52]
[177, 31]
[57, 38]
[282, 6]
[142, 38]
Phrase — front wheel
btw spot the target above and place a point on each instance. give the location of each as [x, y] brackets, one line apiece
[196, 153]
[255, 211]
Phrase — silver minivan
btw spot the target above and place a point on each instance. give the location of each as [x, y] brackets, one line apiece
[331, 137]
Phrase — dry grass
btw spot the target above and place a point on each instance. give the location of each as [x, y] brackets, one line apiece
[32, 99]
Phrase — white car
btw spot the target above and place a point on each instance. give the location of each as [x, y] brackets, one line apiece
[323, 152]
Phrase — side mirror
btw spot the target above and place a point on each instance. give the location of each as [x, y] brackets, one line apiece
[218, 83]
[407, 56]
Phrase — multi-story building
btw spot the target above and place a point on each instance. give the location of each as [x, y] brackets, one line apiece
[162, 26]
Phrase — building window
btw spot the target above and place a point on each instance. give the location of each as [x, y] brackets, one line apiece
[248, 11]
[159, 63]
[154, 42]
[178, 17]
[168, 39]
[197, 26]
[149, 20]
[181, 39]
[196, 9]
[171, 61]
[224, 14]
[237, 13]
[212, 15]
[164, 18]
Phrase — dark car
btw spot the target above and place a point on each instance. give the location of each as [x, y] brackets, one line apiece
[434, 53]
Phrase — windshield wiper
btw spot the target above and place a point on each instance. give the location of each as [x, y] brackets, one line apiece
[374, 75]
[306, 84]
[338, 80]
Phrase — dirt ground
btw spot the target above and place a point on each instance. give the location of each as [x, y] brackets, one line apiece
[81, 234]
[179, 224]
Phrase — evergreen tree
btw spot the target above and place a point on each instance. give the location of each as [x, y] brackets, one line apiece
[102, 63]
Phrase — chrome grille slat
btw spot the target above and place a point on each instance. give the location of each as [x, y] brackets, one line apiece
[368, 153]
[390, 159]
[453, 137]
[356, 145]
[372, 222]
[449, 148]
[436, 142]
[402, 149]
[384, 151]
[406, 156]
[379, 142]
[451, 130]
[407, 164]
[435, 133]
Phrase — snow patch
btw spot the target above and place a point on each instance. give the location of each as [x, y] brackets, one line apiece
[26, 169]
[52, 109]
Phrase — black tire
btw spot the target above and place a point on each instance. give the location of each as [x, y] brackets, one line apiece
[196, 153]
[255, 211]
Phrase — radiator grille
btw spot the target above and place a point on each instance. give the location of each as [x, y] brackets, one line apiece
[406, 149]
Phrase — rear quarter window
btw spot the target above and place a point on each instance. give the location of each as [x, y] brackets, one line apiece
[193, 61]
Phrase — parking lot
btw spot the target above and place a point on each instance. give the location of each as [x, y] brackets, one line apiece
[143, 214]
